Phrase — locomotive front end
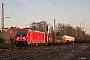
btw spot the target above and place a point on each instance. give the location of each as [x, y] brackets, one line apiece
[21, 38]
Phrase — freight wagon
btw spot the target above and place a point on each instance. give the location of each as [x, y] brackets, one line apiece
[69, 39]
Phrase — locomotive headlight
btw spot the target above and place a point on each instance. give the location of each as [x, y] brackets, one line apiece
[17, 38]
[24, 38]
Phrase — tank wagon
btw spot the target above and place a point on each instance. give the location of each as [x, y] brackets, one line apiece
[68, 39]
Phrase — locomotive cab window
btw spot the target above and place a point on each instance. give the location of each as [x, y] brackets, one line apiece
[21, 33]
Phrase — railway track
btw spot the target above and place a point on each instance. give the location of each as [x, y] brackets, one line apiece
[39, 52]
[25, 54]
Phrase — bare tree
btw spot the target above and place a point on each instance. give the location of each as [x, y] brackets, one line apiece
[61, 29]
[40, 26]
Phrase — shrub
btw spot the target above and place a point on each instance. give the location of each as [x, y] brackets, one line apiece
[12, 40]
[2, 40]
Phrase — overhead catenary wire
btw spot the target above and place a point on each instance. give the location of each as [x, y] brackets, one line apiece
[53, 0]
[18, 17]
[62, 10]
[73, 13]
[81, 14]
[84, 13]
[42, 8]
[68, 8]
[45, 8]
[30, 9]
[14, 15]
[14, 22]
[20, 11]
[59, 8]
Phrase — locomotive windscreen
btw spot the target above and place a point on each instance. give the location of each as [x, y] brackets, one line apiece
[21, 33]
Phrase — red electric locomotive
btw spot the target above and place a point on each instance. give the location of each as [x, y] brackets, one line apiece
[27, 36]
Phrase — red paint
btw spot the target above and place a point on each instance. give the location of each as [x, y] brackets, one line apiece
[30, 37]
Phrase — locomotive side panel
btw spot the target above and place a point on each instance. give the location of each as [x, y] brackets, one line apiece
[37, 37]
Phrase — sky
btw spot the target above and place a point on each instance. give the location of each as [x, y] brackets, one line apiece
[24, 12]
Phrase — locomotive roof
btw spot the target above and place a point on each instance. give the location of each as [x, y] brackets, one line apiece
[31, 29]
[38, 31]
[27, 28]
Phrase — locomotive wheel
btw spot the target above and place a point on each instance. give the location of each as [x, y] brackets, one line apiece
[20, 47]
[36, 45]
